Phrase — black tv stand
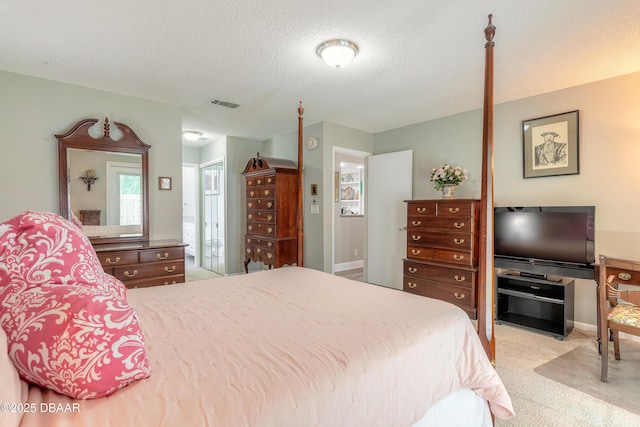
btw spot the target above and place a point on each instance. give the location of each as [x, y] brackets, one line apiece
[541, 304]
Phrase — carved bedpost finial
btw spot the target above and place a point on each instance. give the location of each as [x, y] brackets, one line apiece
[300, 110]
[489, 32]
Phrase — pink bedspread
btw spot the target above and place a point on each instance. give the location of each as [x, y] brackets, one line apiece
[289, 347]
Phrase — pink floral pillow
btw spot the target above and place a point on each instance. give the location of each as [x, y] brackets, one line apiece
[74, 339]
[42, 247]
[69, 326]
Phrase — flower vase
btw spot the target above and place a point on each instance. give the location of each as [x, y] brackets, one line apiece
[448, 191]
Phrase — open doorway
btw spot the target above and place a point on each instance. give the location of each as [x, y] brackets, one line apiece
[212, 229]
[349, 213]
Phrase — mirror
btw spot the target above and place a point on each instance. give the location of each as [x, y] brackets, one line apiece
[103, 178]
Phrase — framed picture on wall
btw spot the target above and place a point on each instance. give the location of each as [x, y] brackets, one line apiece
[164, 183]
[550, 145]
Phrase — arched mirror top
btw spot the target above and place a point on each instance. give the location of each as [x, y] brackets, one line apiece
[103, 171]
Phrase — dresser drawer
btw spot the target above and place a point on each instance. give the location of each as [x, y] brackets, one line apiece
[422, 208]
[460, 224]
[154, 281]
[455, 209]
[261, 191]
[454, 241]
[254, 241]
[261, 204]
[260, 180]
[155, 269]
[462, 296]
[265, 229]
[453, 276]
[261, 216]
[161, 254]
[443, 255]
[112, 259]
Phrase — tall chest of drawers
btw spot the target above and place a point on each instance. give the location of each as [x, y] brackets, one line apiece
[140, 265]
[442, 251]
[271, 208]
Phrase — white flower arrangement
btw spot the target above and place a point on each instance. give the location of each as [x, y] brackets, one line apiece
[448, 174]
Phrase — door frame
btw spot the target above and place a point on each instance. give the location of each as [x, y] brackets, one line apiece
[351, 152]
[197, 261]
[201, 247]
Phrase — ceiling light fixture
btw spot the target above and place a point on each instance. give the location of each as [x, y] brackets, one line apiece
[191, 135]
[337, 53]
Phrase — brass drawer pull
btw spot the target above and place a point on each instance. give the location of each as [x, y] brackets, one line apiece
[249, 182]
[458, 225]
[248, 250]
[624, 276]
[412, 285]
[269, 229]
[259, 182]
[126, 273]
[269, 244]
[248, 240]
[172, 283]
[415, 251]
[269, 217]
[115, 261]
[267, 192]
[258, 250]
[416, 223]
[458, 296]
[170, 270]
[459, 278]
[252, 193]
[412, 269]
[269, 255]
[454, 210]
[458, 257]
[250, 204]
[269, 204]
[414, 237]
[458, 241]
[250, 227]
[250, 216]
[421, 210]
[269, 180]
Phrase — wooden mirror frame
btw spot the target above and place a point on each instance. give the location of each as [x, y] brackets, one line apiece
[78, 137]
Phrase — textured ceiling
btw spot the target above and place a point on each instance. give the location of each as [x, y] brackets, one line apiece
[418, 60]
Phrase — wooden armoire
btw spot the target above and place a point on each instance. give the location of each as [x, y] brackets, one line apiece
[271, 209]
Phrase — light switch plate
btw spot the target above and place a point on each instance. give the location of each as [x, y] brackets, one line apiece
[315, 209]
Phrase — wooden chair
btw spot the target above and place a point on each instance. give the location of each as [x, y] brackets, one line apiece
[619, 306]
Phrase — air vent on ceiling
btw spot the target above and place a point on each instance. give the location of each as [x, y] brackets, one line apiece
[224, 103]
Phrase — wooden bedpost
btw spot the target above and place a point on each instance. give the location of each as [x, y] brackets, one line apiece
[300, 191]
[486, 272]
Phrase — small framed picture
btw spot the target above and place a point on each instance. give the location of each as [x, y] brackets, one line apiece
[550, 145]
[164, 183]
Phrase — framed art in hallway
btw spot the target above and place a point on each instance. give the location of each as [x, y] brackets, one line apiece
[164, 183]
[550, 145]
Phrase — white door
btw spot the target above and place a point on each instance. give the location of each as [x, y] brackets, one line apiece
[389, 184]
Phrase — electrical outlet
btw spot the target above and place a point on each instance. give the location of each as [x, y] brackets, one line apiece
[355, 252]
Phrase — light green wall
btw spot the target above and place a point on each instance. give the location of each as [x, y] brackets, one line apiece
[609, 175]
[34, 110]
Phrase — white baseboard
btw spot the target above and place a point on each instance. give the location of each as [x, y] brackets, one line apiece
[592, 328]
[348, 265]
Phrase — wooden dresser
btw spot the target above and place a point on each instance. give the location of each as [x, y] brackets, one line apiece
[140, 265]
[272, 209]
[442, 251]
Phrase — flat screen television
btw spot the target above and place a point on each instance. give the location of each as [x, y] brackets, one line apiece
[545, 239]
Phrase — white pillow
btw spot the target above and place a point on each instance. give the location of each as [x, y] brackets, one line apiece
[13, 391]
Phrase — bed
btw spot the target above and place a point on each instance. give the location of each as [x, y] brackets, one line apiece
[283, 347]
[290, 347]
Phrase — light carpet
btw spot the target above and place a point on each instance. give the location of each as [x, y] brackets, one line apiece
[554, 399]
